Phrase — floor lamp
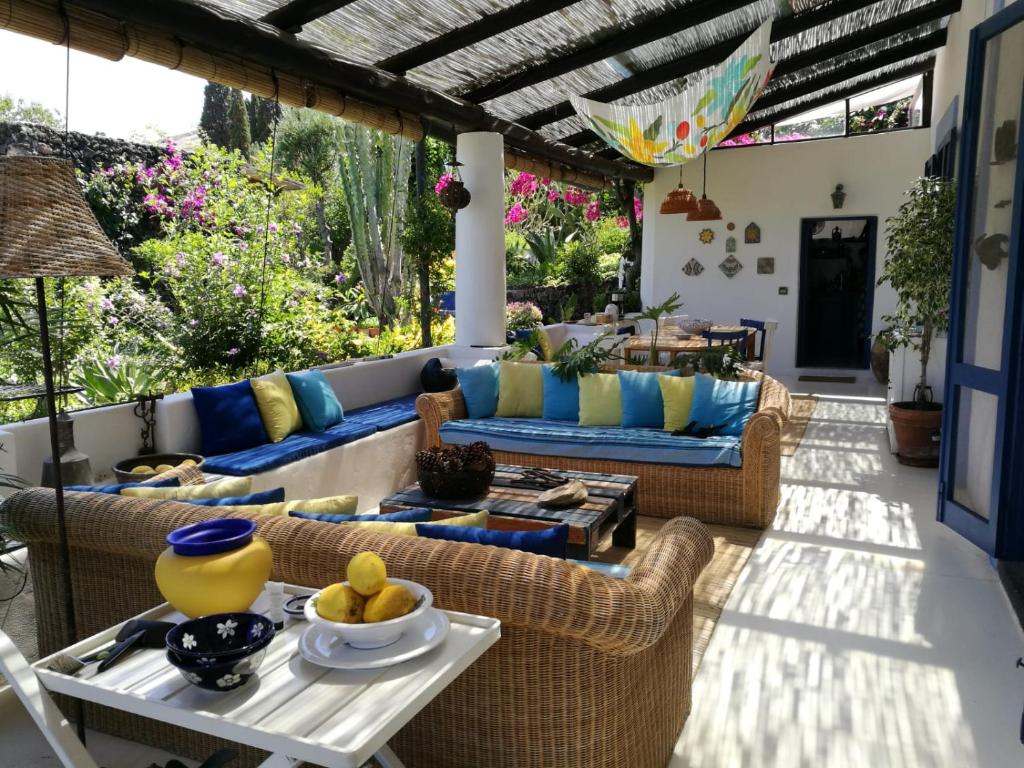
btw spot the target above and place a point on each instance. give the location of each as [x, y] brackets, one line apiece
[48, 230]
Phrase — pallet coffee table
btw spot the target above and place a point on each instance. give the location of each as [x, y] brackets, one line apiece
[610, 506]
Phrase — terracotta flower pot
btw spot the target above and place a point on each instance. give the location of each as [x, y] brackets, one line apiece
[918, 427]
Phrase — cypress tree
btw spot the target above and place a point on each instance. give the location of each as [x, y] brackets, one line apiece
[262, 113]
[214, 120]
[239, 136]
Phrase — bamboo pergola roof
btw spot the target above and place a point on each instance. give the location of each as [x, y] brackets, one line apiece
[440, 68]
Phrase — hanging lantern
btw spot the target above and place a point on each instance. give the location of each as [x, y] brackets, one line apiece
[706, 210]
[454, 196]
[680, 199]
[838, 197]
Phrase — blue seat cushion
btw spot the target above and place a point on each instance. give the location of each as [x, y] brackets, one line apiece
[170, 482]
[273, 496]
[731, 403]
[542, 437]
[549, 541]
[417, 515]
[386, 415]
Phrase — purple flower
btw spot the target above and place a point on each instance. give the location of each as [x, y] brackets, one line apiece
[593, 211]
[233, 351]
[286, 258]
[273, 228]
[193, 322]
[243, 246]
[106, 304]
[179, 259]
[113, 363]
[219, 259]
[113, 321]
[239, 291]
[340, 278]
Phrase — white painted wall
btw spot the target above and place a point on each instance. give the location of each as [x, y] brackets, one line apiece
[774, 186]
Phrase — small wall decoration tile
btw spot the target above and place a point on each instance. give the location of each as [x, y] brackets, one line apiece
[766, 265]
[693, 268]
[730, 266]
[706, 236]
[752, 234]
[731, 226]
[730, 244]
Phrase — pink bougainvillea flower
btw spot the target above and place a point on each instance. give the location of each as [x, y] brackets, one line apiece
[516, 214]
[442, 182]
[554, 194]
[546, 182]
[593, 211]
[523, 185]
[621, 222]
[638, 208]
[574, 196]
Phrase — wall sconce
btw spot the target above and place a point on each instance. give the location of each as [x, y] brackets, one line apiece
[838, 197]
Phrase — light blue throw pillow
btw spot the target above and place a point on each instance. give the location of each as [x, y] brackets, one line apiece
[561, 398]
[642, 404]
[731, 403]
[318, 405]
[480, 389]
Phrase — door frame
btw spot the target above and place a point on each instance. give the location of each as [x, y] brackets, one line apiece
[869, 292]
[1002, 535]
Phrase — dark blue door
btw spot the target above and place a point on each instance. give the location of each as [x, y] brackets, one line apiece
[981, 440]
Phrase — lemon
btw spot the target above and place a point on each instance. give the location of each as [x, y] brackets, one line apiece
[188, 463]
[391, 602]
[367, 574]
[339, 602]
[163, 467]
[142, 469]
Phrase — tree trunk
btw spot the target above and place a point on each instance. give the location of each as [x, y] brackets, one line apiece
[926, 351]
[625, 190]
[422, 267]
[325, 232]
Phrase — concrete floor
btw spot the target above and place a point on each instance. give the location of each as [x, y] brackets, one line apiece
[861, 633]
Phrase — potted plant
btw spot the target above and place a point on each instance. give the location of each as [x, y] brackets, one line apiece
[654, 314]
[521, 317]
[919, 267]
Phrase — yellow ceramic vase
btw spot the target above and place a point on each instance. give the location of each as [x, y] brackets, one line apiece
[227, 582]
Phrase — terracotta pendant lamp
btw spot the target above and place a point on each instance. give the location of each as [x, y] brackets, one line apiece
[680, 199]
[706, 210]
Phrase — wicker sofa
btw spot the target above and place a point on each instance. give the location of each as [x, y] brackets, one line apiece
[590, 671]
[747, 495]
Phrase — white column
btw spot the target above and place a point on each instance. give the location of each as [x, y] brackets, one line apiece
[480, 243]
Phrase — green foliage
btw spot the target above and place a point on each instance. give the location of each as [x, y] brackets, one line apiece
[572, 360]
[520, 348]
[116, 380]
[722, 362]
[20, 111]
[262, 114]
[522, 315]
[667, 307]
[309, 141]
[239, 134]
[581, 265]
[213, 122]
[919, 265]
[568, 309]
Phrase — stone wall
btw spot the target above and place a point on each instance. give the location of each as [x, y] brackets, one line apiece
[87, 152]
[551, 299]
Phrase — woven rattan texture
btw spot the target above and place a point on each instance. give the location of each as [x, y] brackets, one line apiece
[46, 227]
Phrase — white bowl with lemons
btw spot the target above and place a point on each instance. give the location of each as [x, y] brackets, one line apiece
[375, 634]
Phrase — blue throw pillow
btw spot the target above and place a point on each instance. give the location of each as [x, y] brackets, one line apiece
[170, 482]
[724, 402]
[228, 418]
[480, 389]
[318, 405]
[561, 398]
[262, 497]
[549, 541]
[615, 570]
[642, 404]
[418, 515]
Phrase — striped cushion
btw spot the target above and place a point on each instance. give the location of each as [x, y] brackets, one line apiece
[542, 437]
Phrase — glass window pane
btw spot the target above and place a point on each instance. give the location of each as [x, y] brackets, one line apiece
[992, 205]
[820, 123]
[886, 108]
[977, 423]
[760, 136]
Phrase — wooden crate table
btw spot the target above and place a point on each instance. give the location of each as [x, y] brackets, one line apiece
[610, 506]
[638, 348]
[296, 710]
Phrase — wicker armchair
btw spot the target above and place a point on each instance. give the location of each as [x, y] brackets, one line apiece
[747, 495]
[590, 671]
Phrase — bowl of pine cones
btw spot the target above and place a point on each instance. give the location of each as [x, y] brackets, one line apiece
[456, 472]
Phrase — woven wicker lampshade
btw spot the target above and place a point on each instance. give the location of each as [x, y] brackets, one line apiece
[706, 211]
[679, 200]
[46, 226]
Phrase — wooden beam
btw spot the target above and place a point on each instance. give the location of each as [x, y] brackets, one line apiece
[781, 29]
[213, 29]
[486, 26]
[294, 14]
[901, 73]
[771, 98]
[636, 32]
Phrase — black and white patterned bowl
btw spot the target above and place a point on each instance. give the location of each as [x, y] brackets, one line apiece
[221, 675]
[220, 637]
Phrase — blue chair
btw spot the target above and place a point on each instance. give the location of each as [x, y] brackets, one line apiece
[758, 326]
[736, 339]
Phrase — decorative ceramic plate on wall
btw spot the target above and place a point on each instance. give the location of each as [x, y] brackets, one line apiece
[730, 266]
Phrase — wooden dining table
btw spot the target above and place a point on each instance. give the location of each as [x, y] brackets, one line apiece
[638, 348]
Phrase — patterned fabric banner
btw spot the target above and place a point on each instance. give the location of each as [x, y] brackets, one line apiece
[679, 129]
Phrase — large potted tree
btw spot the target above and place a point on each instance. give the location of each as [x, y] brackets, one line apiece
[919, 267]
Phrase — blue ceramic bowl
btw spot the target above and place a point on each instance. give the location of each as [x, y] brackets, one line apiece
[221, 676]
[220, 637]
[211, 537]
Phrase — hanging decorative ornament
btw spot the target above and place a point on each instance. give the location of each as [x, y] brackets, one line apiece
[706, 209]
[454, 195]
[680, 199]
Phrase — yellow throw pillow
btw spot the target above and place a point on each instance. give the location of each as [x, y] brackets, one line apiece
[600, 400]
[229, 486]
[474, 520]
[520, 390]
[277, 405]
[328, 505]
[677, 394]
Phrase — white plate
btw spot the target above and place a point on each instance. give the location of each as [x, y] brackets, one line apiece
[322, 647]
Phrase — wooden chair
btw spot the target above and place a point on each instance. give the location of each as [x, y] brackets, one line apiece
[737, 339]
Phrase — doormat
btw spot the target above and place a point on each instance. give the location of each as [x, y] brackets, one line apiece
[831, 379]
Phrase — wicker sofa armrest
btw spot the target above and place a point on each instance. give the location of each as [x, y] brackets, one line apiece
[435, 408]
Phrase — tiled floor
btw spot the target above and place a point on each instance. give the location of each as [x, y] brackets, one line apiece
[862, 632]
